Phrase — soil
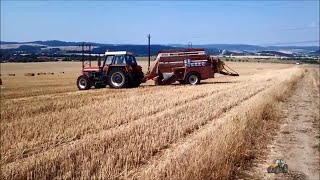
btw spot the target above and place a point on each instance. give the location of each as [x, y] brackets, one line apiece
[297, 139]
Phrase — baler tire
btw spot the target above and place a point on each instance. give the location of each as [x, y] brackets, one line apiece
[83, 82]
[124, 78]
[192, 75]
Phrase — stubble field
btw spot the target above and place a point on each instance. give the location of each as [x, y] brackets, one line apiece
[49, 129]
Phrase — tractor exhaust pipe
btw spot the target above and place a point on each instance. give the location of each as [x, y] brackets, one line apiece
[149, 51]
[99, 61]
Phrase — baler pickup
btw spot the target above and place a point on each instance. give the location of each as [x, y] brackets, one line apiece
[227, 70]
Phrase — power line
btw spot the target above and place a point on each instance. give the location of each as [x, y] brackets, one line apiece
[301, 28]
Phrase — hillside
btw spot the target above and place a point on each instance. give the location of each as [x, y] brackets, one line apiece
[63, 47]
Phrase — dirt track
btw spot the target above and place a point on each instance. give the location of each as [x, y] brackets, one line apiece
[297, 139]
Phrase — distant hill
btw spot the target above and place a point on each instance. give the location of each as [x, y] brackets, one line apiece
[246, 47]
[273, 53]
[243, 47]
[308, 48]
[141, 50]
[316, 53]
[51, 43]
[54, 43]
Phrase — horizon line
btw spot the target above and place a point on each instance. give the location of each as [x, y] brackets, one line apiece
[172, 44]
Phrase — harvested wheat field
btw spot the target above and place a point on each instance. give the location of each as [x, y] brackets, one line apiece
[49, 129]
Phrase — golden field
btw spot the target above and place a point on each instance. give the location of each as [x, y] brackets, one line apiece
[49, 129]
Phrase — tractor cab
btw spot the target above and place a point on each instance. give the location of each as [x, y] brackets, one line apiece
[117, 69]
[121, 58]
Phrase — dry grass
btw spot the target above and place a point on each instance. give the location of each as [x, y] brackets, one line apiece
[224, 145]
[150, 132]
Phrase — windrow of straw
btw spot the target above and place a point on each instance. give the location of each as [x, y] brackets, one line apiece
[218, 151]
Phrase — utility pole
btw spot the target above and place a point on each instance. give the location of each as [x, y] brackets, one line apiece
[189, 45]
[149, 52]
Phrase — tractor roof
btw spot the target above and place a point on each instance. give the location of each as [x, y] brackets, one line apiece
[117, 53]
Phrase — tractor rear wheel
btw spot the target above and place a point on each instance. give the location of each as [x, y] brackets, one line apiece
[135, 79]
[117, 78]
[83, 82]
[192, 78]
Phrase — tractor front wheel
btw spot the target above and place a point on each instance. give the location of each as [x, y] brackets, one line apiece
[83, 82]
[117, 78]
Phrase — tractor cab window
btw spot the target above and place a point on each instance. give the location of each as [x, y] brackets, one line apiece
[119, 60]
[130, 60]
[108, 60]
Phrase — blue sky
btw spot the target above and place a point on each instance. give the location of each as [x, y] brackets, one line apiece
[168, 22]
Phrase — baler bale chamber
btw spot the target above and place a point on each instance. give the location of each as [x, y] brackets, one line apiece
[187, 66]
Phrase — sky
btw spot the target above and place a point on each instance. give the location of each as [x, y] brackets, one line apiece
[168, 22]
